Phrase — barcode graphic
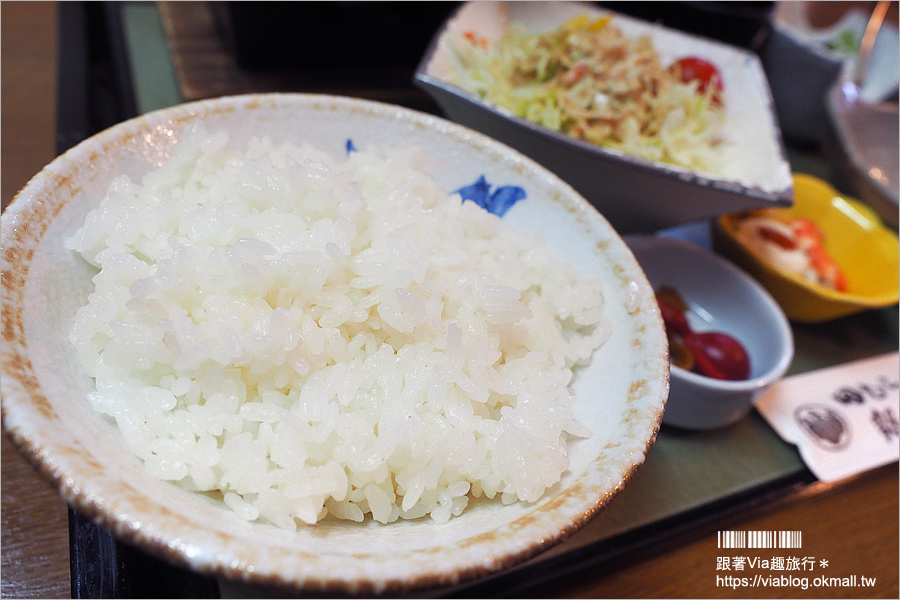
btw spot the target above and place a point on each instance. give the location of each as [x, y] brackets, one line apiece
[760, 539]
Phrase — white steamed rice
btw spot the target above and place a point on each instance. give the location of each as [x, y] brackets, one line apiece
[308, 337]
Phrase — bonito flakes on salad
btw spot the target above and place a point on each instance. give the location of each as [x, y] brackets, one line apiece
[588, 80]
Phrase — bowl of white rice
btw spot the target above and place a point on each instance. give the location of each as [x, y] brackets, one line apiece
[324, 343]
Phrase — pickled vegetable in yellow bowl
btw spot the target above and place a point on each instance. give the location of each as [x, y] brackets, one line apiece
[867, 252]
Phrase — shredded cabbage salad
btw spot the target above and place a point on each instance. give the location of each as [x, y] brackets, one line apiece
[588, 80]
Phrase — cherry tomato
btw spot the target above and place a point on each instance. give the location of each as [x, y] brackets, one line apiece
[719, 355]
[691, 68]
[673, 318]
[712, 353]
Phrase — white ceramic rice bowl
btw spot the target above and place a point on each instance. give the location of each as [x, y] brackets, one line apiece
[620, 396]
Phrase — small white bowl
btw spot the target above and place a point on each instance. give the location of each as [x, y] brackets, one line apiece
[720, 297]
[634, 194]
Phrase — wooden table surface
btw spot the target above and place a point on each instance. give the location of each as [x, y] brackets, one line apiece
[853, 525]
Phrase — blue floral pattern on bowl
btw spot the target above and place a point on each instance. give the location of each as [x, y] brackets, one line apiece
[497, 201]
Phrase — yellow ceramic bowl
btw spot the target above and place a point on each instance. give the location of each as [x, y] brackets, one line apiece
[866, 250]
